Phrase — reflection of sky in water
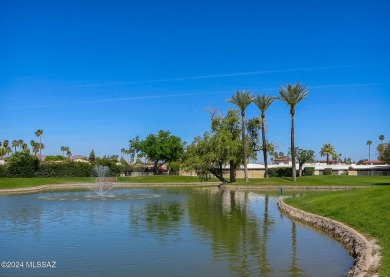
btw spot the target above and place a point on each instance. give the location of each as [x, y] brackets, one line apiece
[162, 232]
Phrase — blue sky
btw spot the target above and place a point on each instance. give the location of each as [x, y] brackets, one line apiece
[94, 74]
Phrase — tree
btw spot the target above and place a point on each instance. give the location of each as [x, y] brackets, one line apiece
[292, 95]
[231, 124]
[327, 150]
[242, 100]
[35, 147]
[64, 149]
[304, 156]
[39, 134]
[385, 153]
[263, 102]
[69, 154]
[381, 138]
[161, 148]
[22, 164]
[15, 144]
[369, 142]
[92, 157]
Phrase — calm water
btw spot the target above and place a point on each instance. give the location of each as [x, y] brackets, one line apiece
[161, 232]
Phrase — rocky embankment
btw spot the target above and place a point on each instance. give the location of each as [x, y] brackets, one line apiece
[365, 252]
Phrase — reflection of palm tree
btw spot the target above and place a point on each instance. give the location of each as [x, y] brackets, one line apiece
[265, 266]
[294, 270]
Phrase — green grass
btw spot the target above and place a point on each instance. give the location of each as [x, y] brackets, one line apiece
[366, 210]
[9, 183]
[323, 180]
[162, 179]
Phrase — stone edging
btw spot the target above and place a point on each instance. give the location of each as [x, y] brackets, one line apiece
[366, 253]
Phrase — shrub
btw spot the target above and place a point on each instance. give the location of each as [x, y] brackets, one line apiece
[280, 172]
[327, 171]
[115, 169]
[3, 171]
[68, 169]
[22, 164]
[309, 171]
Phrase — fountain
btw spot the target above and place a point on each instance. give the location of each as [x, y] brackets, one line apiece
[101, 187]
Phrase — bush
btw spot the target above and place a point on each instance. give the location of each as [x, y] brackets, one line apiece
[327, 171]
[68, 169]
[115, 169]
[3, 171]
[309, 171]
[22, 164]
[280, 172]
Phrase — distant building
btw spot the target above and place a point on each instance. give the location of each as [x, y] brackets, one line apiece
[281, 161]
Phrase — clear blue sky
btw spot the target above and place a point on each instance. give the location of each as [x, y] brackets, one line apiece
[94, 74]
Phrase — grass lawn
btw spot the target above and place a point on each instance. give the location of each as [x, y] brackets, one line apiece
[9, 183]
[366, 210]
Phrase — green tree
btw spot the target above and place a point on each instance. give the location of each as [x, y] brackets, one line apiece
[369, 142]
[35, 147]
[15, 144]
[92, 157]
[20, 144]
[327, 150]
[242, 100]
[263, 102]
[292, 95]
[304, 156]
[69, 154]
[161, 148]
[230, 124]
[385, 153]
[22, 164]
[64, 149]
[39, 134]
[381, 138]
[207, 156]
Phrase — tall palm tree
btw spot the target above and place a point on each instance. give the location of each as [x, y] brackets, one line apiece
[15, 144]
[6, 143]
[242, 100]
[63, 150]
[263, 102]
[292, 95]
[381, 138]
[39, 134]
[327, 150]
[369, 142]
[69, 154]
[34, 146]
[20, 144]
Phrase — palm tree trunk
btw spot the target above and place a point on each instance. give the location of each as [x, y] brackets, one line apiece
[369, 152]
[294, 170]
[244, 155]
[264, 147]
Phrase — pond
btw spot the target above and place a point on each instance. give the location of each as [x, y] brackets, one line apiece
[160, 232]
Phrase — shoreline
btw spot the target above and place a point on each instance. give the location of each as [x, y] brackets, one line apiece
[365, 251]
[41, 188]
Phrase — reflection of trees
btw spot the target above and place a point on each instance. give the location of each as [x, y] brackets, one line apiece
[159, 218]
[294, 270]
[265, 267]
[225, 216]
[24, 219]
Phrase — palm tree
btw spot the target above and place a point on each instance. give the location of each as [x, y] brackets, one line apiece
[68, 154]
[5, 143]
[381, 138]
[20, 144]
[39, 134]
[292, 95]
[263, 102]
[327, 150]
[242, 100]
[35, 147]
[15, 144]
[63, 150]
[369, 142]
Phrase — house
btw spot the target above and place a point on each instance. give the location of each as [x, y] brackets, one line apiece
[281, 161]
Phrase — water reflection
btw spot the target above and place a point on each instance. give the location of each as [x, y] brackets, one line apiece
[184, 232]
